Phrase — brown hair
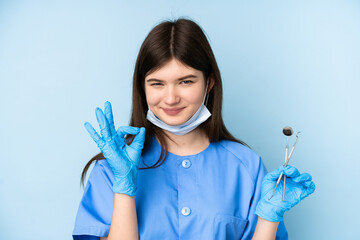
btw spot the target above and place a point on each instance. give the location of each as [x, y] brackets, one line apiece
[185, 41]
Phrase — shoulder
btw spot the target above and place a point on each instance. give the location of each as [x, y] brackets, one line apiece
[101, 171]
[246, 156]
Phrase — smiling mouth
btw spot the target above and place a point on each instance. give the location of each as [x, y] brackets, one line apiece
[172, 111]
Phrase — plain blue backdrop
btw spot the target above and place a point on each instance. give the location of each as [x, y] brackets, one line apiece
[283, 63]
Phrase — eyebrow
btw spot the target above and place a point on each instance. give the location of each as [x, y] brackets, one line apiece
[182, 78]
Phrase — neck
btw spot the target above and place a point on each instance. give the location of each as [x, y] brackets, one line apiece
[188, 144]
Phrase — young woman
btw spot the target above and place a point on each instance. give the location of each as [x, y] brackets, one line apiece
[176, 172]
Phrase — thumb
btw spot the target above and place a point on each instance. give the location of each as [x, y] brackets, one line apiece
[274, 175]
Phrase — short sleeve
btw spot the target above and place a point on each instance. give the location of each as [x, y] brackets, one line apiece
[94, 214]
[281, 233]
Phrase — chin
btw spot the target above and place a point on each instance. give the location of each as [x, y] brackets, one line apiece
[174, 122]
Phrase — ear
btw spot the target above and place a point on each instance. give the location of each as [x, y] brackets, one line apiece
[211, 83]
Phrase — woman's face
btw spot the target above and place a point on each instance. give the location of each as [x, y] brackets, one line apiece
[175, 92]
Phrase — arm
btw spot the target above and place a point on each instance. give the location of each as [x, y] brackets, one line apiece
[270, 208]
[124, 221]
[265, 230]
[123, 160]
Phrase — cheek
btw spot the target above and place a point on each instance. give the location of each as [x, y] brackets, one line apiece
[152, 98]
[194, 96]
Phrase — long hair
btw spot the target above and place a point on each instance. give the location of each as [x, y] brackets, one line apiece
[185, 41]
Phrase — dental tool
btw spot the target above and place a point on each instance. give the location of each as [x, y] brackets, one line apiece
[287, 132]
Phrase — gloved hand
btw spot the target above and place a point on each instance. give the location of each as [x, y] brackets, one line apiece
[298, 186]
[122, 158]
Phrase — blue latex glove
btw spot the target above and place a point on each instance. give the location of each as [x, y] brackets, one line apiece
[298, 186]
[122, 158]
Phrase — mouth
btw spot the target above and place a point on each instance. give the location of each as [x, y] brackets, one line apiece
[172, 111]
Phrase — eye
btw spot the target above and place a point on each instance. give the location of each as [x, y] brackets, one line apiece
[156, 84]
[187, 82]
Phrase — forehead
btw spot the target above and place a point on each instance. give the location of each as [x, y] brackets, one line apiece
[173, 69]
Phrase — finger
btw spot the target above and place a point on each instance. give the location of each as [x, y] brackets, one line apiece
[139, 140]
[110, 118]
[94, 135]
[307, 184]
[104, 127]
[304, 177]
[309, 190]
[124, 130]
[290, 171]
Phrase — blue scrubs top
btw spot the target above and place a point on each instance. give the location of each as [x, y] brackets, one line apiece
[209, 195]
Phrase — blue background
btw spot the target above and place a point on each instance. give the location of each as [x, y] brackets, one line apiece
[283, 63]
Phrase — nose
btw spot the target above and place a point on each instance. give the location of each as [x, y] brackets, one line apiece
[172, 97]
